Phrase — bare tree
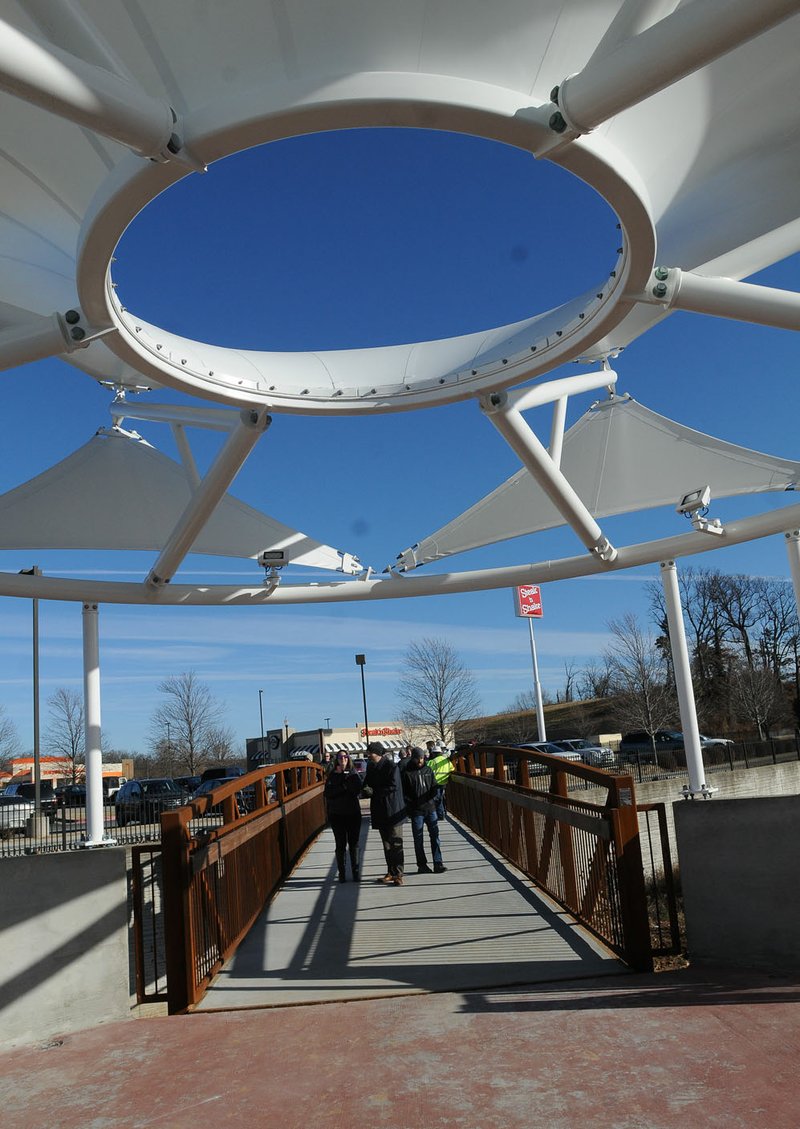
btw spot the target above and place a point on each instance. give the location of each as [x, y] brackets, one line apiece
[518, 726]
[66, 736]
[570, 679]
[186, 726]
[220, 745]
[596, 680]
[758, 697]
[436, 691]
[527, 701]
[645, 698]
[739, 598]
[9, 738]
[779, 626]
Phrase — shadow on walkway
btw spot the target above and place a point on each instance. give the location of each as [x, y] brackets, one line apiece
[479, 925]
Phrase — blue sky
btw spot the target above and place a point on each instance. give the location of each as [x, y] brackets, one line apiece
[363, 238]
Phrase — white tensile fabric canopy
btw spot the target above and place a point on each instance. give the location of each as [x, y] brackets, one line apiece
[620, 457]
[119, 492]
[658, 105]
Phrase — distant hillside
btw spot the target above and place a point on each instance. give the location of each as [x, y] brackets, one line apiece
[588, 718]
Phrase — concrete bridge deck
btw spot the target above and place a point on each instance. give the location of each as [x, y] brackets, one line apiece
[479, 925]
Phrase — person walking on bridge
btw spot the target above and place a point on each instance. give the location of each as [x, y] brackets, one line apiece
[344, 813]
[387, 809]
[441, 766]
[419, 788]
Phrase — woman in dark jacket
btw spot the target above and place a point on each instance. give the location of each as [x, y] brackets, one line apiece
[344, 812]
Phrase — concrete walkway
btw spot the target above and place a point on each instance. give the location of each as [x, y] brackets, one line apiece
[479, 925]
[698, 1048]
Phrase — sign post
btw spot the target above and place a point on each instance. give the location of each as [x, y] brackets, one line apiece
[528, 605]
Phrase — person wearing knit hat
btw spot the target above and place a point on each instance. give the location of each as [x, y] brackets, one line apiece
[387, 809]
[419, 788]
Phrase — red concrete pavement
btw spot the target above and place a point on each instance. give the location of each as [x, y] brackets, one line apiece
[691, 1048]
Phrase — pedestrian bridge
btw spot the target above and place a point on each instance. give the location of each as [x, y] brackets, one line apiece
[480, 925]
[539, 886]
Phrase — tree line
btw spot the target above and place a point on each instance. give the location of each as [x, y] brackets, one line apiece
[743, 638]
[187, 731]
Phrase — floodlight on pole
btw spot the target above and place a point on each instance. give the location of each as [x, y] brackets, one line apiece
[361, 661]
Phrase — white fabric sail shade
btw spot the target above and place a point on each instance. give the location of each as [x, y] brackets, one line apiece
[620, 457]
[119, 492]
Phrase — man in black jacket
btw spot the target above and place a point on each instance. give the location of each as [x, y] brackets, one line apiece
[387, 809]
[420, 790]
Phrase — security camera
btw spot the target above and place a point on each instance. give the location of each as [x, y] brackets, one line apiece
[695, 500]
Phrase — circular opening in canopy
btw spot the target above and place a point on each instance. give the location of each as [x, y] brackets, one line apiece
[363, 238]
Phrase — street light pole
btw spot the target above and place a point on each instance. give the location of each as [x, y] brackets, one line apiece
[361, 661]
[261, 715]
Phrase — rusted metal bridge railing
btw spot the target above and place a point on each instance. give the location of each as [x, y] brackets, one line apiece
[217, 881]
[586, 856]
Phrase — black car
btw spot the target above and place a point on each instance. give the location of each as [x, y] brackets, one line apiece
[664, 748]
[142, 801]
[221, 772]
[187, 784]
[245, 798]
[27, 791]
[71, 796]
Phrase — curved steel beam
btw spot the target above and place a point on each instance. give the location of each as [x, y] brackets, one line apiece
[400, 587]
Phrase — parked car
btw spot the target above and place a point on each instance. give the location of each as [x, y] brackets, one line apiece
[715, 742]
[187, 784]
[142, 801]
[15, 811]
[27, 791]
[111, 785]
[664, 748]
[600, 756]
[221, 772]
[552, 750]
[71, 796]
[246, 798]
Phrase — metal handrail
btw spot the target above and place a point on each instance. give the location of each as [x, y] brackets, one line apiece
[217, 880]
[586, 856]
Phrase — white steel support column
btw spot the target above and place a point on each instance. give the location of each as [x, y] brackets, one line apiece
[91, 96]
[31, 341]
[535, 459]
[557, 432]
[185, 452]
[793, 551]
[692, 36]
[206, 497]
[741, 301]
[537, 686]
[683, 681]
[91, 720]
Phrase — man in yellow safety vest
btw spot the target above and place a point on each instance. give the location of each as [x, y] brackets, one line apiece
[441, 766]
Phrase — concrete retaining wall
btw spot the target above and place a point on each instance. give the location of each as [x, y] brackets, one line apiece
[744, 783]
[63, 944]
[740, 861]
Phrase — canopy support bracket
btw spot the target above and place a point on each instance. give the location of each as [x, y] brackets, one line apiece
[534, 457]
[252, 424]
